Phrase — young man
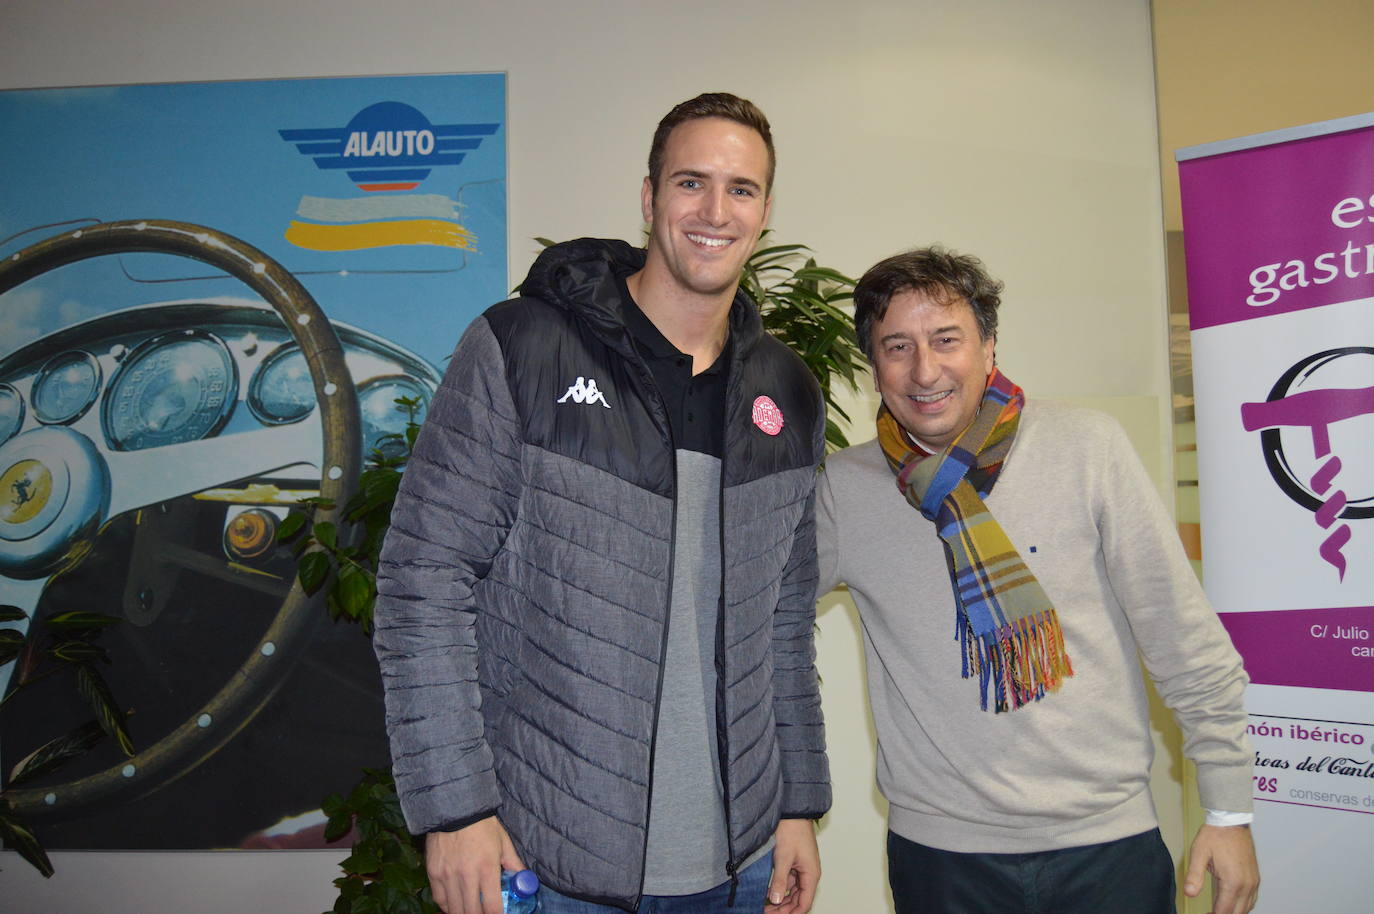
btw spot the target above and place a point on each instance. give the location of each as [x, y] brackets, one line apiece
[1012, 556]
[595, 604]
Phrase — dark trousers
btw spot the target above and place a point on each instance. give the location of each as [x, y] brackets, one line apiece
[1134, 875]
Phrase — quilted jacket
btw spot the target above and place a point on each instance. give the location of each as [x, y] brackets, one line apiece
[525, 583]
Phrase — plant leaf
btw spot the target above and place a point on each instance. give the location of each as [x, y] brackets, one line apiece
[332, 805]
[314, 568]
[10, 613]
[290, 526]
[327, 534]
[338, 827]
[380, 485]
[355, 591]
[404, 877]
[11, 643]
[92, 686]
[76, 621]
[20, 837]
[401, 901]
[772, 250]
[814, 273]
[367, 904]
[362, 860]
[57, 752]
[82, 652]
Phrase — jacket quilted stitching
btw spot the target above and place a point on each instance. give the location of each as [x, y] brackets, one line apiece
[542, 531]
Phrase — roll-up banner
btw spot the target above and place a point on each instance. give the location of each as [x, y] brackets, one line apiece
[1279, 239]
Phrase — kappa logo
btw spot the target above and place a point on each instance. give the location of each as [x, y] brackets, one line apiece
[585, 391]
[1313, 402]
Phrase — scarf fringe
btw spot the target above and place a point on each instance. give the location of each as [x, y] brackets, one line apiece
[1019, 662]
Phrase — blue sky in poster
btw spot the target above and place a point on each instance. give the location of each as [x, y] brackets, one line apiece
[212, 153]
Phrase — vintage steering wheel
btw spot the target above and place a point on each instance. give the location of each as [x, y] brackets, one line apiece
[83, 486]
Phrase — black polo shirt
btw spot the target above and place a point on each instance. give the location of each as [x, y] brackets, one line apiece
[695, 404]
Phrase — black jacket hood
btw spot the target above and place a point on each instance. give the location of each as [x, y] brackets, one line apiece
[581, 275]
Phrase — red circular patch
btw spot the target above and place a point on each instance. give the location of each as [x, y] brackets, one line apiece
[767, 416]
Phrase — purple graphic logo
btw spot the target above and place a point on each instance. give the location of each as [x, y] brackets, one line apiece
[1313, 397]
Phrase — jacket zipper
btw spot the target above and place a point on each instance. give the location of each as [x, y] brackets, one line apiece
[722, 731]
[722, 728]
[662, 648]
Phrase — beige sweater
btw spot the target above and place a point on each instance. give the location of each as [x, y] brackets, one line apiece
[1074, 768]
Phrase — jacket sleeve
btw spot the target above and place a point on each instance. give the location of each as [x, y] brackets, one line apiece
[1182, 642]
[827, 537]
[457, 501]
[796, 687]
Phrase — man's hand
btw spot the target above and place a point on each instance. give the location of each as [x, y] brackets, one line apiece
[1228, 853]
[465, 866]
[796, 868]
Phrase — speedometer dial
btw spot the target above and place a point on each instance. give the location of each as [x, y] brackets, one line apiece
[11, 412]
[281, 391]
[174, 388]
[383, 419]
[65, 387]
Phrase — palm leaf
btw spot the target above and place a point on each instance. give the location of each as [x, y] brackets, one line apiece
[75, 621]
[55, 753]
[20, 838]
[93, 688]
[11, 643]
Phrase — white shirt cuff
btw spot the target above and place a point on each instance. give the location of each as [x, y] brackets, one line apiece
[1224, 819]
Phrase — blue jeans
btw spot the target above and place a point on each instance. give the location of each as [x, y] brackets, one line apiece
[749, 897]
[1134, 875]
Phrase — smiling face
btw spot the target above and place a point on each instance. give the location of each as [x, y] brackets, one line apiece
[710, 206]
[931, 365]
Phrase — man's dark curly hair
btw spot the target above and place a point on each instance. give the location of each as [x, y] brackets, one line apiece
[941, 274]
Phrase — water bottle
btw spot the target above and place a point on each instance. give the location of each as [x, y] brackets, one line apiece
[519, 892]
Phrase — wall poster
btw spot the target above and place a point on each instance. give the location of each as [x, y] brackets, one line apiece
[1279, 238]
[211, 296]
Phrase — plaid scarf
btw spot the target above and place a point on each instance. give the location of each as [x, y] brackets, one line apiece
[1007, 628]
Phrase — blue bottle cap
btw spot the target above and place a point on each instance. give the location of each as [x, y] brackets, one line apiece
[524, 883]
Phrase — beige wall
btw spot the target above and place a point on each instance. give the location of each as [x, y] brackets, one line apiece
[1022, 132]
[1227, 68]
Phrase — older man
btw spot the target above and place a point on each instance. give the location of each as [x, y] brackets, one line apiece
[1013, 565]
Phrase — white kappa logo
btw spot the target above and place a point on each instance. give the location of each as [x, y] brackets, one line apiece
[585, 391]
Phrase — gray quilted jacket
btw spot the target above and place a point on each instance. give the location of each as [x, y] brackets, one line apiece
[524, 586]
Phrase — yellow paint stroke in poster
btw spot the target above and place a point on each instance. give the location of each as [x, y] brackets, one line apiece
[380, 235]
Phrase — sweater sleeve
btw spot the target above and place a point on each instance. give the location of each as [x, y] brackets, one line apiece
[796, 687]
[457, 501]
[1188, 654]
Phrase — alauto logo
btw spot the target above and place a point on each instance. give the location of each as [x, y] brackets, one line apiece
[388, 146]
[387, 150]
[1316, 448]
